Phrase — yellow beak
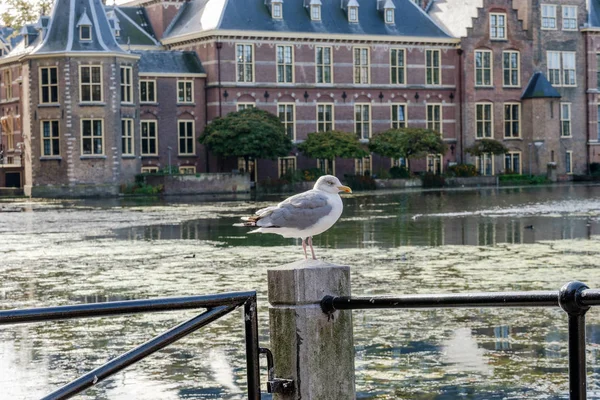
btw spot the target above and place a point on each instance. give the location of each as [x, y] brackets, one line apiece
[344, 189]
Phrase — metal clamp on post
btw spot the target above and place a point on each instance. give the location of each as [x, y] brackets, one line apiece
[276, 385]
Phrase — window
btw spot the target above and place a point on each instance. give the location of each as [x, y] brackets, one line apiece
[553, 67]
[315, 12]
[149, 170]
[485, 164]
[361, 65]
[568, 64]
[85, 32]
[50, 139]
[285, 165]
[512, 117]
[186, 135]
[324, 117]
[92, 137]
[285, 64]
[432, 64]
[245, 106]
[187, 170]
[126, 85]
[48, 85]
[147, 91]
[362, 166]
[497, 26]
[399, 162]
[326, 166]
[149, 138]
[569, 162]
[435, 163]
[399, 116]
[323, 64]
[511, 68]
[276, 10]
[245, 62]
[434, 118]
[353, 14]
[389, 15]
[7, 79]
[362, 120]
[398, 66]
[127, 137]
[286, 114]
[569, 18]
[483, 68]
[512, 162]
[561, 68]
[185, 91]
[483, 120]
[548, 16]
[598, 71]
[565, 119]
[91, 83]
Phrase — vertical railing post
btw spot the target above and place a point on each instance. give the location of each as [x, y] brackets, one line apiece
[569, 300]
[252, 349]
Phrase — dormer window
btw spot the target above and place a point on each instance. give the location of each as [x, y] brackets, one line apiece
[117, 32]
[389, 15]
[85, 32]
[277, 9]
[353, 14]
[315, 12]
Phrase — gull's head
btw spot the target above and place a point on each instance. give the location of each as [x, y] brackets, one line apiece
[331, 184]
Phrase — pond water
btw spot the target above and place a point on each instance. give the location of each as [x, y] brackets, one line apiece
[403, 242]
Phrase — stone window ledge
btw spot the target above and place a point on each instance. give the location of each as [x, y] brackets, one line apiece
[92, 157]
[48, 105]
[50, 158]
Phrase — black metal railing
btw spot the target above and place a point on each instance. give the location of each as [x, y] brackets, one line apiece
[217, 306]
[575, 298]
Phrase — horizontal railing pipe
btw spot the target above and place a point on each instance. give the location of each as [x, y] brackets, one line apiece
[590, 297]
[123, 307]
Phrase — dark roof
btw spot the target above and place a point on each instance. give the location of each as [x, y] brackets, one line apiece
[6, 35]
[63, 32]
[253, 15]
[140, 17]
[131, 30]
[170, 61]
[539, 88]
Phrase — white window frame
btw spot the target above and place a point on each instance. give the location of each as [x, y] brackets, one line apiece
[148, 139]
[7, 81]
[81, 33]
[481, 162]
[327, 169]
[432, 160]
[569, 18]
[49, 86]
[91, 84]
[315, 12]
[509, 119]
[353, 14]
[92, 137]
[433, 73]
[389, 15]
[188, 136]
[284, 118]
[360, 124]
[361, 165]
[147, 83]
[511, 155]
[277, 10]
[245, 105]
[126, 84]
[510, 69]
[498, 26]
[565, 120]
[398, 66]
[280, 168]
[53, 139]
[548, 15]
[187, 169]
[395, 122]
[322, 123]
[569, 71]
[247, 66]
[482, 68]
[185, 88]
[486, 120]
[361, 57]
[323, 65]
[283, 63]
[127, 135]
[149, 170]
[431, 123]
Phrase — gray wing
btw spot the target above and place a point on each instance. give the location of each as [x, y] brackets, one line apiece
[299, 211]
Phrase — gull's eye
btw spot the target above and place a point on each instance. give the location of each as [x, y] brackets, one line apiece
[330, 183]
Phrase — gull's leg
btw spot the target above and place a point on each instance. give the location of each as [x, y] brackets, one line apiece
[304, 247]
[311, 247]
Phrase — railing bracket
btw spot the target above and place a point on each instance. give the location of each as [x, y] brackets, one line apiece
[276, 385]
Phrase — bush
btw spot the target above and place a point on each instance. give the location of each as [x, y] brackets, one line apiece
[595, 169]
[524, 179]
[360, 182]
[312, 174]
[432, 180]
[462, 170]
[399, 173]
[141, 188]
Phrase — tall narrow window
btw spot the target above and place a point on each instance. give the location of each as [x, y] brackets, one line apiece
[286, 165]
[512, 162]
[326, 166]
[185, 91]
[149, 138]
[85, 32]
[50, 139]
[565, 119]
[485, 164]
[568, 65]
[126, 85]
[48, 85]
[92, 137]
[548, 16]
[512, 116]
[90, 83]
[569, 18]
[286, 114]
[353, 14]
[398, 67]
[511, 68]
[435, 163]
[285, 64]
[361, 65]
[553, 67]
[362, 120]
[276, 10]
[497, 26]
[245, 62]
[315, 12]
[362, 166]
[434, 118]
[7, 79]
[483, 68]
[569, 162]
[127, 137]
[399, 116]
[324, 117]
[483, 120]
[185, 132]
[323, 64]
[147, 91]
[389, 15]
[432, 64]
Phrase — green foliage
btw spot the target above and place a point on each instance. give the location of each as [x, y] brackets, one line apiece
[407, 142]
[486, 146]
[360, 182]
[462, 170]
[523, 179]
[399, 173]
[331, 144]
[312, 174]
[595, 169]
[250, 133]
[431, 180]
[22, 12]
[169, 170]
[141, 188]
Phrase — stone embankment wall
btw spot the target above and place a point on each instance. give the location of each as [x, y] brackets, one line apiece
[201, 183]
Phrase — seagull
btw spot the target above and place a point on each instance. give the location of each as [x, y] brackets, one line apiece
[303, 215]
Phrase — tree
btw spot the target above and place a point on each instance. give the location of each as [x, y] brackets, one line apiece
[407, 143]
[250, 133]
[331, 144]
[486, 146]
[22, 12]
